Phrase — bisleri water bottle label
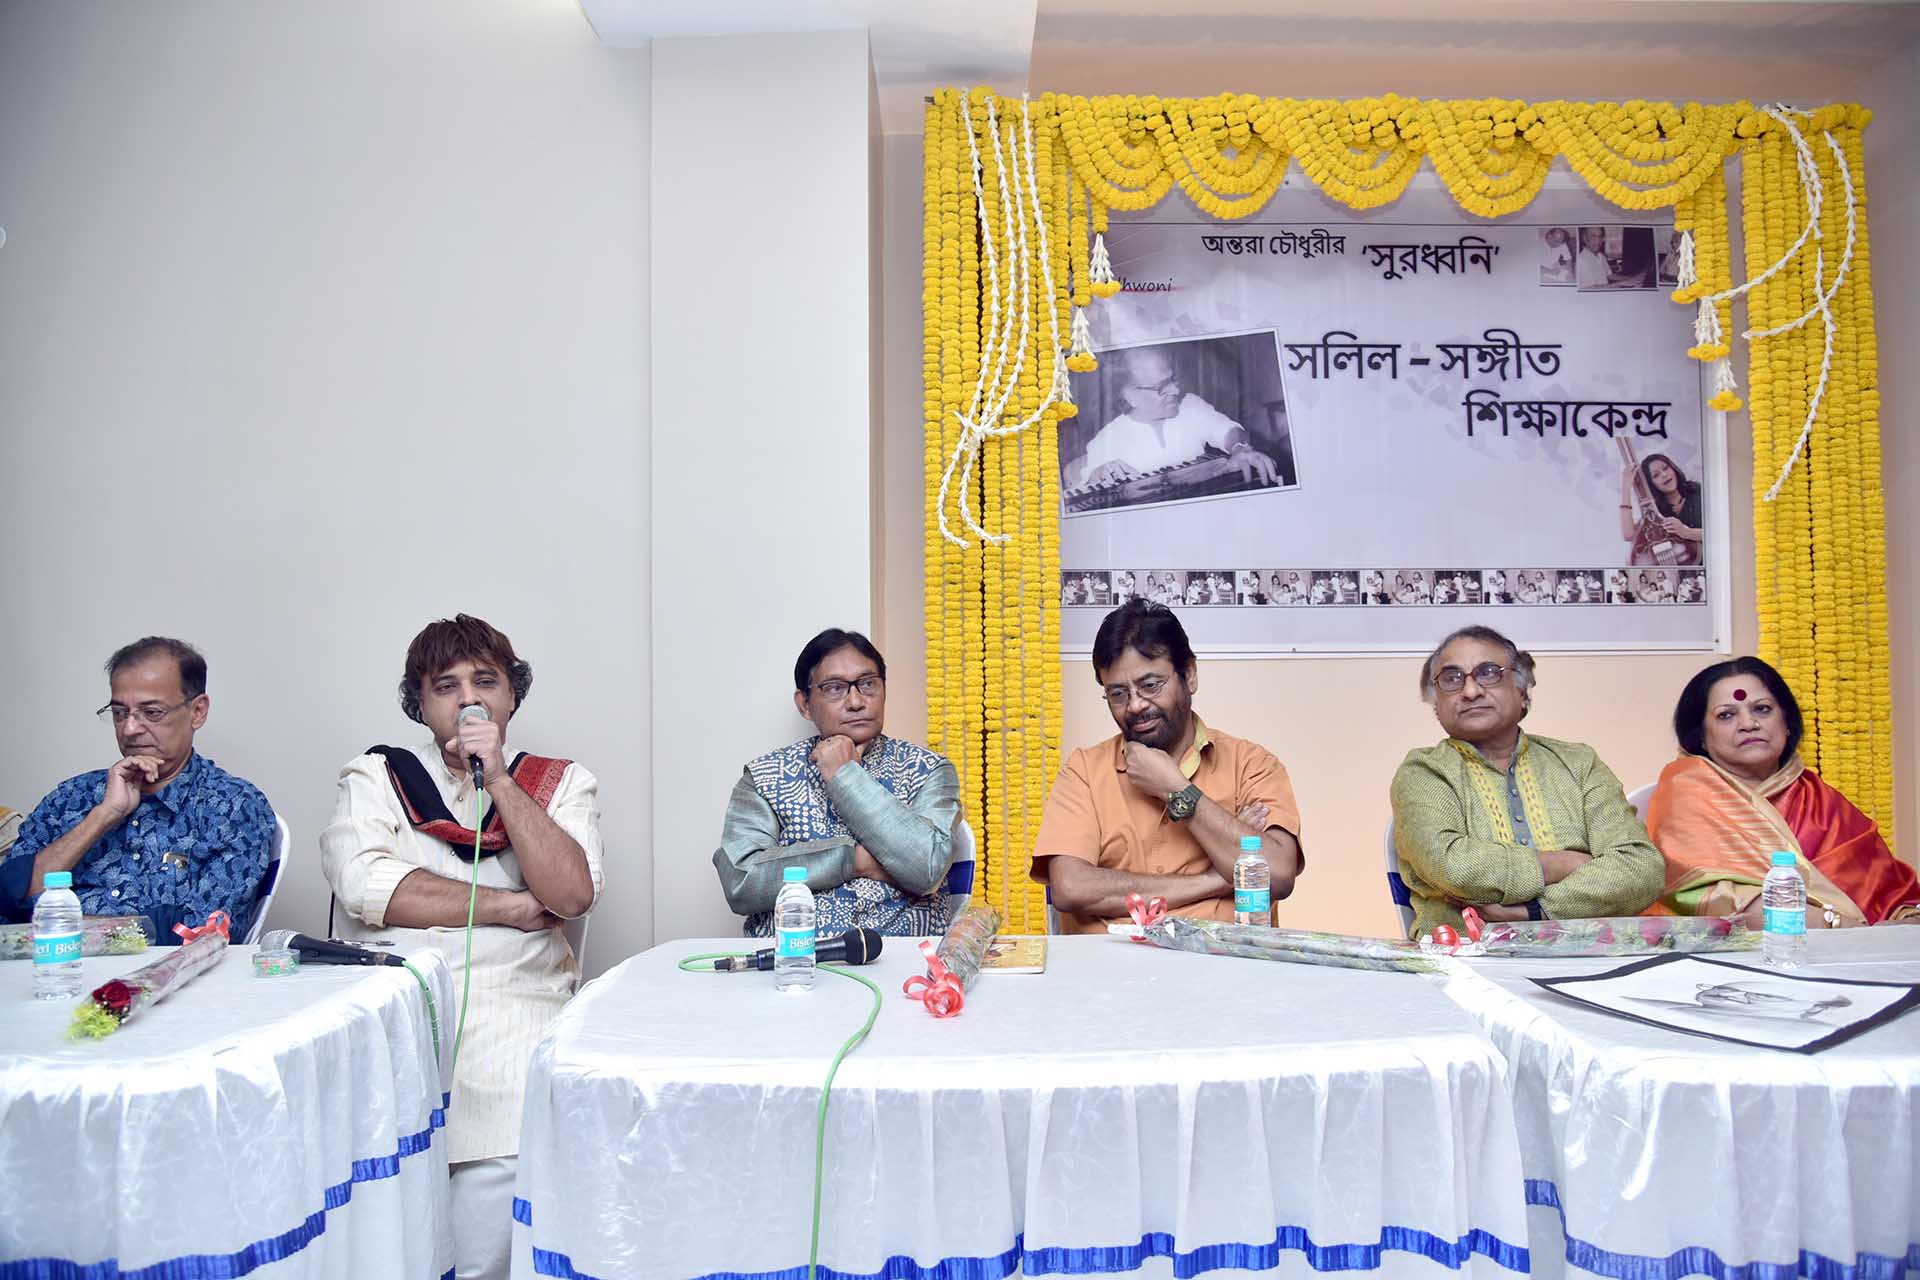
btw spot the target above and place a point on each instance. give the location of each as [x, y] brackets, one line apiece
[56, 948]
[794, 942]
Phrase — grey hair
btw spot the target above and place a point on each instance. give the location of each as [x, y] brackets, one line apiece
[1519, 661]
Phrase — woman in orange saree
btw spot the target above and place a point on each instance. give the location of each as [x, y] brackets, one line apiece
[1739, 791]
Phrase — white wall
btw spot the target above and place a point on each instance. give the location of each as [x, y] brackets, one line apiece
[763, 396]
[318, 322]
[1893, 180]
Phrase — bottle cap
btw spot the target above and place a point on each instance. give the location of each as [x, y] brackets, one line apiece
[1249, 844]
[798, 875]
[59, 880]
[1781, 858]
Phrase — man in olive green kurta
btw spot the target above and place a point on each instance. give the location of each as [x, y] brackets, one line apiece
[1518, 827]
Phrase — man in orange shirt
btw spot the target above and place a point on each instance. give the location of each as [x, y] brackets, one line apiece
[1159, 808]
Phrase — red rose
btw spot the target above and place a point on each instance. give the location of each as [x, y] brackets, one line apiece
[115, 997]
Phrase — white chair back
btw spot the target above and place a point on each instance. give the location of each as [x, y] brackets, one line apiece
[575, 932]
[1640, 798]
[276, 876]
[960, 873]
[1396, 887]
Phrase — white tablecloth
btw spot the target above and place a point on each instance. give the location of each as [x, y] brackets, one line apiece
[277, 1127]
[1652, 1154]
[1131, 1108]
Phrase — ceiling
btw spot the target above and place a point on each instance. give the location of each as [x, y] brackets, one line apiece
[1305, 48]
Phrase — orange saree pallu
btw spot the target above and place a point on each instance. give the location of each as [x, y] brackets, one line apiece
[1718, 833]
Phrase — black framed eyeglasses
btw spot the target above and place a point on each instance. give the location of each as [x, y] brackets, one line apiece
[118, 712]
[1487, 675]
[836, 690]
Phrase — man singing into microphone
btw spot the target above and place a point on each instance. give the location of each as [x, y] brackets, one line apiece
[870, 817]
[399, 855]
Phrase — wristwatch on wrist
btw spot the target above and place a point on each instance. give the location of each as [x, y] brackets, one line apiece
[1535, 911]
[1181, 804]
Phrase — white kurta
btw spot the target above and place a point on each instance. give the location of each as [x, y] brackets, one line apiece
[1148, 446]
[520, 980]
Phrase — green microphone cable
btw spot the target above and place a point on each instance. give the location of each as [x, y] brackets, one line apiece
[473, 898]
[820, 1114]
[466, 980]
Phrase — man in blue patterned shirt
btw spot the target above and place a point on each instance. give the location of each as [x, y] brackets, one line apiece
[165, 831]
[870, 817]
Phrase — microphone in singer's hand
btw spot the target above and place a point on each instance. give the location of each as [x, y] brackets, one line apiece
[474, 711]
[855, 946]
[324, 950]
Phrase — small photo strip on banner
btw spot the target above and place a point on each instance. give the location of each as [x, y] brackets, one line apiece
[1604, 259]
[1394, 588]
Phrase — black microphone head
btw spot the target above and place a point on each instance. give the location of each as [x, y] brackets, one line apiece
[863, 946]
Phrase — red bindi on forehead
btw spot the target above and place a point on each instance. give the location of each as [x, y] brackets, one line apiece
[1739, 695]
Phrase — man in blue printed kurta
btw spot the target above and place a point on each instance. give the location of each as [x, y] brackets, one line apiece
[870, 817]
[163, 832]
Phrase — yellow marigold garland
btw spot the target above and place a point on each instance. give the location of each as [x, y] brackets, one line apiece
[994, 692]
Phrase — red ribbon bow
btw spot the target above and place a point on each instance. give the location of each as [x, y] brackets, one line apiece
[938, 991]
[1474, 923]
[217, 922]
[1146, 911]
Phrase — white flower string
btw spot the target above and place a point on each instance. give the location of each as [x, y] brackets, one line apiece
[1000, 318]
[1706, 325]
[1846, 255]
[1822, 306]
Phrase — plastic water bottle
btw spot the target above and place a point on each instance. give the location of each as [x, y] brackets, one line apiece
[1784, 895]
[1252, 900]
[793, 932]
[56, 940]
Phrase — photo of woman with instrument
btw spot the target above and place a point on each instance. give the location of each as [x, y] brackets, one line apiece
[1661, 510]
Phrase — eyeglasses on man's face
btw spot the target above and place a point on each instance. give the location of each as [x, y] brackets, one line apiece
[1487, 675]
[836, 690]
[149, 713]
[1148, 687]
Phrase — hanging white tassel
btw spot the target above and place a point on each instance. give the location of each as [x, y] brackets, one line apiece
[1708, 339]
[1685, 274]
[1080, 357]
[1063, 388]
[1100, 277]
[1726, 394]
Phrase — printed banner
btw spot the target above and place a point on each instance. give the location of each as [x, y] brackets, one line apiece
[1334, 432]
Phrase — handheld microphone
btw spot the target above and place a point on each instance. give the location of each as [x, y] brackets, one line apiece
[855, 946]
[324, 950]
[474, 711]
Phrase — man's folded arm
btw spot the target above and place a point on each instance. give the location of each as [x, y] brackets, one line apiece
[1626, 873]
[1429, 834]
[913, 841]
[371, 882]
[751, 860]
[1080, 888]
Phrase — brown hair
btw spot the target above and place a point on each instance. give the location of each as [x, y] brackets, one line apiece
[461, 638]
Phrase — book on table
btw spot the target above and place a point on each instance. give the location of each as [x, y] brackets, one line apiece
[1012, 953]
